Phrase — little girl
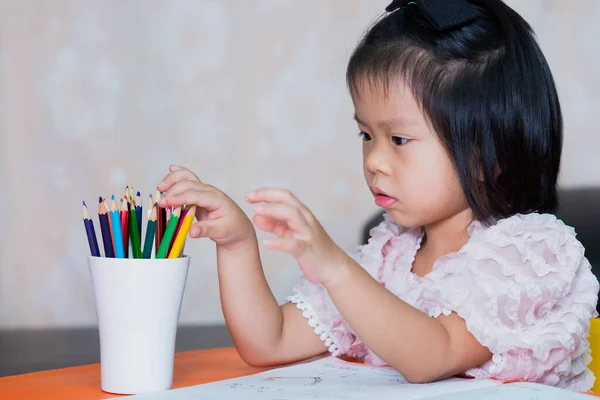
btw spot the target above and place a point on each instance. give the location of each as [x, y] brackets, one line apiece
[469, 273]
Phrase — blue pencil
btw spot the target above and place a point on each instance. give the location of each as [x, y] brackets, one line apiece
[116, 221]
[91, 233]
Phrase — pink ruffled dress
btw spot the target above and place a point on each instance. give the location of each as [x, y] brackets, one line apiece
[522, 285]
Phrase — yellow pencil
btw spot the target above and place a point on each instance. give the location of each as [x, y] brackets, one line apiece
[183, 232]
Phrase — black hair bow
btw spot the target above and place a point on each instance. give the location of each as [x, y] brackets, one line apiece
[440, 14]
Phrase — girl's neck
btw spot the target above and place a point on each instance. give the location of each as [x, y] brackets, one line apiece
[448, 235]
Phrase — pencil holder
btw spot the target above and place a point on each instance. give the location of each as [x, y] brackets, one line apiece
[137, 305]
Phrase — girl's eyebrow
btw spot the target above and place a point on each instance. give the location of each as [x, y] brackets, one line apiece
[395, 121]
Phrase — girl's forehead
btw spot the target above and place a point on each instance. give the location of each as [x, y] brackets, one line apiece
[381, 89]
[394, 98]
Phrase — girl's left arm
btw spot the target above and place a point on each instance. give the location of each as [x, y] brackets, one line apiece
[421, 348]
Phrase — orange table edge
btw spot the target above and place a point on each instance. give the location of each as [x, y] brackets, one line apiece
[81, 383]
[190, 368]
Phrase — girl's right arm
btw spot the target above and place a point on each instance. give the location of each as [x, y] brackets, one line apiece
[263, 332]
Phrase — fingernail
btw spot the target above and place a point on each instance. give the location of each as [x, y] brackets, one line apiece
[250, 194]
[269, 242]
[195, 232]
[162, 201]
[259, 208]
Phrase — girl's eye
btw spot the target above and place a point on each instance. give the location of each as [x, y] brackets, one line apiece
[399, 141]
[365, 136]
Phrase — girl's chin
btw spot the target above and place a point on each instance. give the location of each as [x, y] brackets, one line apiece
[403, 219]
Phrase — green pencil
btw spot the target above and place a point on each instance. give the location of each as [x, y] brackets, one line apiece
[150, 228]
[171, 226]
[134, 233]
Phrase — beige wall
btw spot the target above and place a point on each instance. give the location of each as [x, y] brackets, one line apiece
[95, 95]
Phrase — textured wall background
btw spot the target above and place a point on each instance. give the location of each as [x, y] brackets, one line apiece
[95, 95]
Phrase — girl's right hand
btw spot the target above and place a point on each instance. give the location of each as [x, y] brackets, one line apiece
[219, 217]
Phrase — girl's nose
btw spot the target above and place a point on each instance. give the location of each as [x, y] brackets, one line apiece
[375, 160]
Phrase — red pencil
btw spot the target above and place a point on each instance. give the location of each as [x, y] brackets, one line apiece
[160, 223]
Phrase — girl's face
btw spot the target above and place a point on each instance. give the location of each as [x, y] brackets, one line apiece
[405, 165]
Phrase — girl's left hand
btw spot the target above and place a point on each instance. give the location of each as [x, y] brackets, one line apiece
[298, 233]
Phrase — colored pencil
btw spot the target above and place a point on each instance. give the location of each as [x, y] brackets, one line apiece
[150, 229]
[184, 211]
[130, 208]
[118, 235]
[125, 226]
[150, 205]
[134, 233]
[112, 235]
[183, 232]
[106, 234]
[91, 233]
[138, 212]
[160, 223]
[164, 245]
[149, 212]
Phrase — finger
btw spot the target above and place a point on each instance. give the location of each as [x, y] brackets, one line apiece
[209, 229]
[202, 198]
[174, 168]
[292, 216]
[179, 188]
[289, 245]
[273, 195]
[270, 225]
[176, 176]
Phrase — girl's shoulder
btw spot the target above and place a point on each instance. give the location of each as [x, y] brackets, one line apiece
[535, 245]
[524, 247]
[526, 256]
[526, 228]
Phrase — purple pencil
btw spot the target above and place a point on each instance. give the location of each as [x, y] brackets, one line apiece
[107, 239]
[91, 233]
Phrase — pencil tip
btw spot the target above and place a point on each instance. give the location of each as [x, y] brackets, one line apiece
[113, 197]
[100, 199]
[85, 205]
[138, 193]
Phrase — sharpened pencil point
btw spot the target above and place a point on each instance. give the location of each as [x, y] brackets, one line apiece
[100, 199]
[85, 205]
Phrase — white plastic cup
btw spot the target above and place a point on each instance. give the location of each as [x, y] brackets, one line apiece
[137, 305]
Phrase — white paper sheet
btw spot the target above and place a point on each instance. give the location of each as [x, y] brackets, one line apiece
[327, 378]
[332, 378]
[518, 391]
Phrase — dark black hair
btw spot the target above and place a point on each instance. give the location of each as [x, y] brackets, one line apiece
[488, 92]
